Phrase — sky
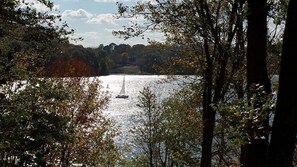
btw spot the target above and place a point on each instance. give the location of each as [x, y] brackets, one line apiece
[94, 21]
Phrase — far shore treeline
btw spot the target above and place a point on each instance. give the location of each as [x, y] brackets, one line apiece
[76, 60]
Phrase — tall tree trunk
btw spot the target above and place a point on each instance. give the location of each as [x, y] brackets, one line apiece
[257, 44]
[282, 145]
[208, 112]
[208, 126]
[253, 153]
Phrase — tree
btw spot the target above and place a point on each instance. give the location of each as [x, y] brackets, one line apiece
[27, 36]
[181, 128]
[147, 131]
[31, 128]
[253, 153]
[56, 122]
[283, 137]
[43, 122]
[68, 67]
[166, 132]
[92, 133]
[209, 40]
[211, 36]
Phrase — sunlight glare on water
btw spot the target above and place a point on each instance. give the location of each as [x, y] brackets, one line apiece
[122, 110]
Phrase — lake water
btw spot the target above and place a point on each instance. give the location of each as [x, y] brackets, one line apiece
[122, 110]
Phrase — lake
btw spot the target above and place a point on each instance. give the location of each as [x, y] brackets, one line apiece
[121, 109]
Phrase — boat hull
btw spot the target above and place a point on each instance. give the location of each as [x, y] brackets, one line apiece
[122, 96]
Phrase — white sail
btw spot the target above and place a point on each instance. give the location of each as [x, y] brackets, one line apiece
[122, 92]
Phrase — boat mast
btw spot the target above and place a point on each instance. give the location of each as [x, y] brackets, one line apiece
[123, 86]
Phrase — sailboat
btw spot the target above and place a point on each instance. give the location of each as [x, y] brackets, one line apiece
[122, 92]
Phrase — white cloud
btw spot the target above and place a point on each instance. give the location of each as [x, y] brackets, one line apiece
[102, 18]
[110, 30]
[109, 18]
[38, 6]
[152, 35]
[94, 39]
[77, 14]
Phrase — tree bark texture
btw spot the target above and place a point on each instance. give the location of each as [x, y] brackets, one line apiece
[253, 154]
[257, 44]
[282, 144]
[208, 113]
